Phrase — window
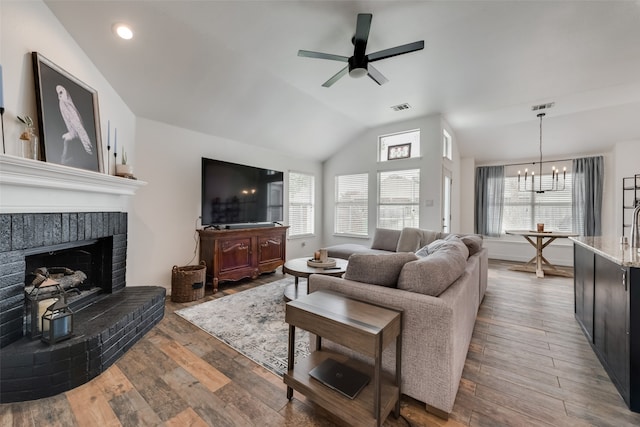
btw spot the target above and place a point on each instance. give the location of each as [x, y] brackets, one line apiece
[447, 145]
[301, 209]
[523, 209]
[402, 145]
[352, 198]
[399, 199]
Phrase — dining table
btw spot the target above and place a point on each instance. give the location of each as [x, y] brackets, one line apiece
[540, 240]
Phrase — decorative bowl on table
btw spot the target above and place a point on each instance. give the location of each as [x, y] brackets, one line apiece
[330, 262]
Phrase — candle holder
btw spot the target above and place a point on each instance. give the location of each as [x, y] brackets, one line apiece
[57, 322]
[37, 302]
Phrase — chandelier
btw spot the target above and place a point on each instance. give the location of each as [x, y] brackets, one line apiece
[555, 185]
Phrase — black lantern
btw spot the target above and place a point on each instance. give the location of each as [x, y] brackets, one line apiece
[57, 322]
[41, 297]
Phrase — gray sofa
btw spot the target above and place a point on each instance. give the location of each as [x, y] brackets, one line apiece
[440, 294]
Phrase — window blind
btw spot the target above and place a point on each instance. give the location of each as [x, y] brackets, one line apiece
[399, 199]
[352, 199]
[301, 204]
[524, 209]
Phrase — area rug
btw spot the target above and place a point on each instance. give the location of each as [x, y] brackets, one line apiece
[252, 323]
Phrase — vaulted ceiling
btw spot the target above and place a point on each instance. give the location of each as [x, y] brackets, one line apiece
[230, 69]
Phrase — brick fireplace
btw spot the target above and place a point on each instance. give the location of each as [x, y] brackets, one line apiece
[109, 317]
[24, 235]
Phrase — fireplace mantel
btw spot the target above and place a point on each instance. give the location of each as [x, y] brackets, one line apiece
[34, 186]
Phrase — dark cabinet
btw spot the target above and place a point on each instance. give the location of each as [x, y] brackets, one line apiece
[584, 289]
[271, 249]
[610, 329]
[607, 307]
[241, 253]
[233, 254]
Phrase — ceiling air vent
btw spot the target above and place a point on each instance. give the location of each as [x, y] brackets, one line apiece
[542, 106]
[401, 107]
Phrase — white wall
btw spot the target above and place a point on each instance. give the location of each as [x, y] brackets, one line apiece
[467, 194]
[29, 26]
[360, 156]
[626, 162]
[163, 222]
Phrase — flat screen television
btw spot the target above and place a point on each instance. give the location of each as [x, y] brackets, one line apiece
[236, 195]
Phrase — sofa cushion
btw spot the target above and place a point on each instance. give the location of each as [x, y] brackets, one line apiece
[472, 241]
[345, 250]
[413, 238]
[386, 239]
[377, 269]
[433, 274]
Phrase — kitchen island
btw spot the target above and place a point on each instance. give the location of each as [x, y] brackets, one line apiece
[607, 307]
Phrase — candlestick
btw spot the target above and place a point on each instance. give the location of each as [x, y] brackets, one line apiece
[1, 91]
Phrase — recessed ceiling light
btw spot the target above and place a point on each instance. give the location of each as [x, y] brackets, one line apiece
[123, 31]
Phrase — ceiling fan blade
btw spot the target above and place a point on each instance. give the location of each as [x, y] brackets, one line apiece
[320, 55]
[336, 77]
[395, 51]
[376, 75]
[363, 25]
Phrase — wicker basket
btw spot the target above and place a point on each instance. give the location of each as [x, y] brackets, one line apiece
[187, 283]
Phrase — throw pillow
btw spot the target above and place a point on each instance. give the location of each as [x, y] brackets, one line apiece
[385, 239]
[473, 241]
[433, 274]
[377, 269]
[435, 246]
[409, 240]
[423, 251]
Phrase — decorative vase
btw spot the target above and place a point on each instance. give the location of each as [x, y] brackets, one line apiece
[124, 170]
[29, 143]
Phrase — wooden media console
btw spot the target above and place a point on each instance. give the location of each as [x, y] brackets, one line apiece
[238, 253]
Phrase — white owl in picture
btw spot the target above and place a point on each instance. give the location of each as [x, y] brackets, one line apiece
[73, 122]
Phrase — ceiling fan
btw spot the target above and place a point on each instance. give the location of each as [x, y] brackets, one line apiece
[359, 64]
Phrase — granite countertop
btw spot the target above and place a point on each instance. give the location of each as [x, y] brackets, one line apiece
[610, 248]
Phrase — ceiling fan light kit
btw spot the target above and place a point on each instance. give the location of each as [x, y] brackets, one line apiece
[359, 65]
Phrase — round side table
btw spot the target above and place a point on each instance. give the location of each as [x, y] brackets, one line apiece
[298, 268]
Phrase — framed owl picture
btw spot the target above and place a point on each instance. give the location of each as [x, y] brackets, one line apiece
[68, 117]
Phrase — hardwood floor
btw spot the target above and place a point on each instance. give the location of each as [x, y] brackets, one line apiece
[528, 365]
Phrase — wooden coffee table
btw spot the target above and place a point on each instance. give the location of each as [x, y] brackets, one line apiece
[366, 328]
[298, 268]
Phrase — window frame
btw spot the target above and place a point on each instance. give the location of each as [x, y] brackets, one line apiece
[447, 145]
[399, 139]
